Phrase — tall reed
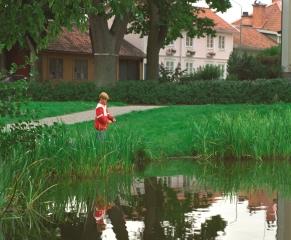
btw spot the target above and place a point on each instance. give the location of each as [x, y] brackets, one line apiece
[244, 135]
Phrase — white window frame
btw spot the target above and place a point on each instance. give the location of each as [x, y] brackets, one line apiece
[168, 67]
[221, 42]
[189, 67]
[210, 42]
[189, 41]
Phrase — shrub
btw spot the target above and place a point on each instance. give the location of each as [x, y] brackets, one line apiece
[195, 92]
[62, 91]
[12, 97]
[271, 61]
[207, 72]
[243, 66]
[170, 76]
[265, 64]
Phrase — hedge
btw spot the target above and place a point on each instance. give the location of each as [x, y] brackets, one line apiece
[153, 92]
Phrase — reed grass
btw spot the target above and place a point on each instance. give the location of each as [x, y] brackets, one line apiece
[77, 152]
[250, 134]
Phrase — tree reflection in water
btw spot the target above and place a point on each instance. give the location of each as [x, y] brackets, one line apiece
[163, 210]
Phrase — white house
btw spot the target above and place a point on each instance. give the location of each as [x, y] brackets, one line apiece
[192, 53]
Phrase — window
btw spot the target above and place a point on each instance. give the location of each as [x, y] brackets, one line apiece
[189, 41]
[221, 42]
[209, 42]
[81, 69]
[170, 66]
[56, 68]
[189, 68]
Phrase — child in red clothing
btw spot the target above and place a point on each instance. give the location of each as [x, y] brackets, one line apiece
[102, 117]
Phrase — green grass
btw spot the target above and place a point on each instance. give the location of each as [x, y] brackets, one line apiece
[203, 132]
[39, 110]
[220, 130]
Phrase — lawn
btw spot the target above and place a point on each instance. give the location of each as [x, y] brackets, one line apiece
[205, 133]
[210, 129]
[39, 110]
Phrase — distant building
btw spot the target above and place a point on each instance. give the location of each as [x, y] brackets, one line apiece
[70, 58]
[261, 29]
[191, 53]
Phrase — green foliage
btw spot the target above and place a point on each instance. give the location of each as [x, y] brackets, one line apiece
[207, 72]
[39, 21]
[175, 16]
[169, 76]
[63, 91]
[24, 135]
[12, 97]
[271, 60]
[153, 92]
[244, 66]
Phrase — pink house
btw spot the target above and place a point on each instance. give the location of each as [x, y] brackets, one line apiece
[191, 53]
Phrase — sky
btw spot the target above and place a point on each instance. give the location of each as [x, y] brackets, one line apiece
[238, 6]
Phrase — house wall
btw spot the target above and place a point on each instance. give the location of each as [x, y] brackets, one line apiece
[68, 65]
[201, 51]
[199, 47]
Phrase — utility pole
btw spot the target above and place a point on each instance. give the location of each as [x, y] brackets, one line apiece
[286, 39]
[240, 25]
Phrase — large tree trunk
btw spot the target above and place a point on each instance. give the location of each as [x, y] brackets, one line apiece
[106, 44]
[156, 39]
[105, 72]
[152, 71]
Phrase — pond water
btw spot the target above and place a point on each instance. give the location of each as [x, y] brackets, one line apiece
[224, 203]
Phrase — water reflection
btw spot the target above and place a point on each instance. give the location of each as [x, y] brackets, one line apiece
[174, 207]
[169, 207]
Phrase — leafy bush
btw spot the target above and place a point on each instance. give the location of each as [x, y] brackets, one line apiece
[24, 135]
[244, 66]
[207, 72]
[170, 76]
[62, 91]
[271, 61]
[12, 97]
[154, 92]
[203, 92]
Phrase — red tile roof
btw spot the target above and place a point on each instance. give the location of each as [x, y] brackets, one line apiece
[220, 24]
[252, 39]
[272, 18]
[76, 41]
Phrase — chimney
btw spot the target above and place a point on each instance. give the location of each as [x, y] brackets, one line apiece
[259, 10]
[246, 19]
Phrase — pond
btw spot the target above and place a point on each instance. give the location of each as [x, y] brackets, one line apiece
[177, 201]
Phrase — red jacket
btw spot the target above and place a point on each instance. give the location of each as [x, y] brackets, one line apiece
[102, 117]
